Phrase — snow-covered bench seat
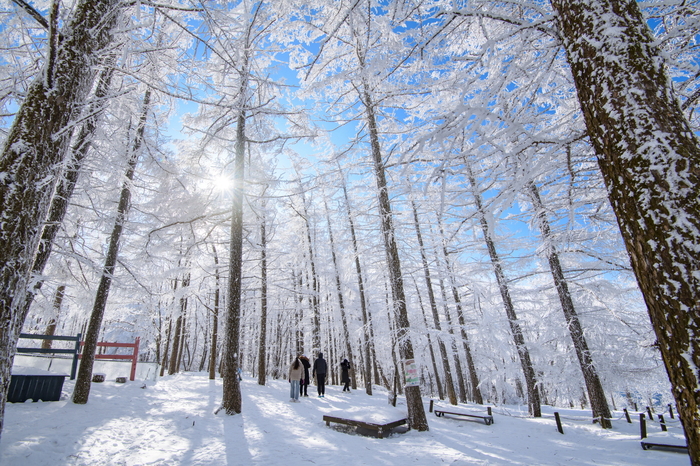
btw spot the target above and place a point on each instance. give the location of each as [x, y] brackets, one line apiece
[380, 426]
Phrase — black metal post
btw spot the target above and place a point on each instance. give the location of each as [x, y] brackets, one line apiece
[74, 366]
[559, 427]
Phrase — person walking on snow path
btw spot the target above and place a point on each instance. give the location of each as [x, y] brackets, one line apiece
[345, 376]
[305, 378]
[319, 371]
[295, 372]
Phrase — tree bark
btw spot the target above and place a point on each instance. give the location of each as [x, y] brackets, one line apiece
[231, 401]
[650, 160]
[262, 342]
[164, 362]
[83, 381]
[51, 327]
[32, 153]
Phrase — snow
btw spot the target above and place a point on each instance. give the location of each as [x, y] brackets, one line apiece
[20, 370]
[172, 422]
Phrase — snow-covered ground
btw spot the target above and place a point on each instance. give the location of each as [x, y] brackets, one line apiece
[172, 422]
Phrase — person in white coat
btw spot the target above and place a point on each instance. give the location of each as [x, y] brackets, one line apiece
[295, 372]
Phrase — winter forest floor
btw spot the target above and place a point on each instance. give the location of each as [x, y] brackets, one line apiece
[172, 422]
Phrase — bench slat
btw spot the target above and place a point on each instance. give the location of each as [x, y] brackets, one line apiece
[649, 446]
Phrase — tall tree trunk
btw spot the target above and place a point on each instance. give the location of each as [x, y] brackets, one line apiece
[455, 352]
[31, 155]
[84, 378]
[167, 347]
[215, 323]
[183, 335]
[416, 411]
[174, 366]
[593, 385]
[533, 395]
[51, 327]
[449, 383]
[341, 303]
[441, 394]
[366, 341]
[650, 160]
[473, 376]
[297, 285]
[231, 401]
[315, 288]
[262, 343]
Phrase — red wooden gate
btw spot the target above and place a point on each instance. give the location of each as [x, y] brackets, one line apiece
[134, 356]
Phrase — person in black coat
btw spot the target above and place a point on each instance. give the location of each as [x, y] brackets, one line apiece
[319, 371]
[305, 381]
[345, 376]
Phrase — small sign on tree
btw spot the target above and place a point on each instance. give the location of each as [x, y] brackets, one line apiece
[411, 369]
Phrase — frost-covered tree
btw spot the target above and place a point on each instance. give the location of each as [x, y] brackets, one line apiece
[33, 152]
[649, 157]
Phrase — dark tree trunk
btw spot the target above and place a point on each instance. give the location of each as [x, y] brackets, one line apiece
[449, 383]
[650, 160]
[167, 347]
[215, 323]
[183, 337]
[51, 327]
[173, 366]
[231, 402]
[590, 376]
[341, 304]
[416, 411]
[262, 343]
[455, 353]
[84, 378]
[176, 352]
[316, 331]
[441, 394]
[533, 395]
[33, 151]
[366, 324]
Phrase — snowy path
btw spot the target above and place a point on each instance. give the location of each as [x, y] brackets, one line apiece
[172, 423]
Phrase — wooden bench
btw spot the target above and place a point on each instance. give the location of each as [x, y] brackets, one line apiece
[488, 420]
[663, 446]
[381, 429]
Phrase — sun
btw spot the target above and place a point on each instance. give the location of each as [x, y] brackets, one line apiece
[222, 183]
